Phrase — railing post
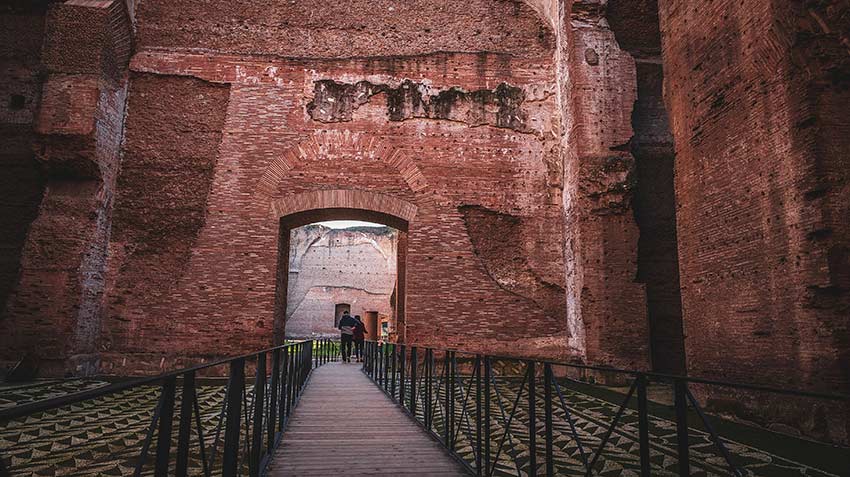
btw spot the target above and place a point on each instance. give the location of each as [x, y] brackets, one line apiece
[290, 378]
[386, 366]
[487, 376]
[187, 400]
[402, 371]
[532, 420]
[393, 370]
[681, 402]
[257, 424]
[447, 421]
[166, 416]
[428, 371]
[453, 377]
[413, 366]
[230, 463]
[273, 398]
[284, 377]
[643, 426]
[547, 405]
[478, 414]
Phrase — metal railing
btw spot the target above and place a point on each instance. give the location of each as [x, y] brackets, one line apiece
[238, 439]
[510, 416]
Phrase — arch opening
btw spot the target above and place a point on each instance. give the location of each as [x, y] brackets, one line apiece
[323, 271]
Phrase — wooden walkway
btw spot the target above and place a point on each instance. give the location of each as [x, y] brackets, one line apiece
[344, 425]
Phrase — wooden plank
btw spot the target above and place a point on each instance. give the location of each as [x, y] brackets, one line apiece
[344, 425]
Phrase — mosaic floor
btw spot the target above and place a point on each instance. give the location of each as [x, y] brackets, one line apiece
[98, 437]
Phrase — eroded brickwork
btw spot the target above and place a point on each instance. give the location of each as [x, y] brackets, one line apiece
[755, 99]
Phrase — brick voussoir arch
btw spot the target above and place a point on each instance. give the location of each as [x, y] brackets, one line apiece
[341, 143]
[343, 199]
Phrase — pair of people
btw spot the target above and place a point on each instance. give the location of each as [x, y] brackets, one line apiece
[352, 331]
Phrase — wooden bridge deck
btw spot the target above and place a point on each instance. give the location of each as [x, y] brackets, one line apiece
[344, 425]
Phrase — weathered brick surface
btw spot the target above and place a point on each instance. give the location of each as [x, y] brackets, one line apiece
[758, 100]
[597, 95]
[353, 28]
[21, 181]
[227, 287]
[55, 308]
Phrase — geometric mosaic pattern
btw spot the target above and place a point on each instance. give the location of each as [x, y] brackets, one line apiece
[101, 436]
[15, 395]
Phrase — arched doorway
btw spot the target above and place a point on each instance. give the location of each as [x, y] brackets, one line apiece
[331, 205]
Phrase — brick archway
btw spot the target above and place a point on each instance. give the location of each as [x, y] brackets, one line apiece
[330, 204]
[340, 143]
[297, 210]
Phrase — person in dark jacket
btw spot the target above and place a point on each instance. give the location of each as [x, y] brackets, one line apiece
[346, 328]
[359, 337]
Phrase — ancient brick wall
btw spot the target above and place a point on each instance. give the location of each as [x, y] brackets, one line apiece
[437, 130]
[21, 181]
[597, 94]
[755, 92]
[56, 303]
[330, 266]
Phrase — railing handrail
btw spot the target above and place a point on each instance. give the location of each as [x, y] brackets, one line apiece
[649, 374]
[61, 401]
[409, 373]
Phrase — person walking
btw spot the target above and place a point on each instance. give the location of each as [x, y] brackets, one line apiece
[359, 337]
[346, 328]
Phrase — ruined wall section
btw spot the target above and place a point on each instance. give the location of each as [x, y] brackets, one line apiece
[21, 180]
[597, 96]
[55, 311]
[437, 163]
[756, 98]
[346, 29]
[636, 27]
[171, 146]
[331, 266]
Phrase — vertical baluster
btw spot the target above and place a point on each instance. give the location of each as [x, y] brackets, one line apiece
[166, 417]
[290, 379]
[487, 437]
[478, 416]
[447, 383]
[187, 399]
[681, 402]
[428, 372]
[413, 366]
[393, 370]
[402, 371]
[386, 366]
[230, 464]
[547, 405]
[257, 421]
[532, 420]
[273, 397]
[643, 426]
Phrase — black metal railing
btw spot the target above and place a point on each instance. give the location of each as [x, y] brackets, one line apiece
[509, 416]
[198, 425]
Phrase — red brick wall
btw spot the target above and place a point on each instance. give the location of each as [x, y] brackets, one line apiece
[756, 92]
[55, 308]
[223, 297]
[21, 181]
